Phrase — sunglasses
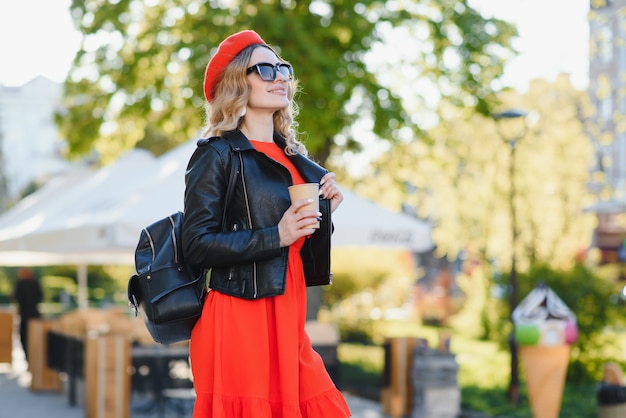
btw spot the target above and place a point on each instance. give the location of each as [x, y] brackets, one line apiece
[268, 72]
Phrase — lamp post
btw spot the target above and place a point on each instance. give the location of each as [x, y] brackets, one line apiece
[512, 126]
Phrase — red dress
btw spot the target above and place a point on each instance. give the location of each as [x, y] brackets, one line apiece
[253, 358]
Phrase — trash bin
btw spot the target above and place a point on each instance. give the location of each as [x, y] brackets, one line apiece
[436, 391]
[611, 401]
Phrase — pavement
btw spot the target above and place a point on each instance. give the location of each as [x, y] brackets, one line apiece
[18, 401]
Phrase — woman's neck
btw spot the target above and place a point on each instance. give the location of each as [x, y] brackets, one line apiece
[258, 128]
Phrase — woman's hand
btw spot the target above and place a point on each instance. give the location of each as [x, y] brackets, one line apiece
[329, 190]
[296, 223]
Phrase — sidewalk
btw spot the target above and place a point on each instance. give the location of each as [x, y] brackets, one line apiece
[17, 400]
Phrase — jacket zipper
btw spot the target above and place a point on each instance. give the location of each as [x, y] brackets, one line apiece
[245, 194]
[232, 269]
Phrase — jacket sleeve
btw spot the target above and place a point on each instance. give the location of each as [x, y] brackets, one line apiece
[206, 243]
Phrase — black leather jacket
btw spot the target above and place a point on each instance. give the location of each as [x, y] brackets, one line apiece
[241, 245]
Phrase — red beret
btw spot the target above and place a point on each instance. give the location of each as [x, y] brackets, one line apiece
[226, 51]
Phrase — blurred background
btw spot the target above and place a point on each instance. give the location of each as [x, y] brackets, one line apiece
[488, 137]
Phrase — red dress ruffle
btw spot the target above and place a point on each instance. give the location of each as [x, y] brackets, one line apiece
[253, 358]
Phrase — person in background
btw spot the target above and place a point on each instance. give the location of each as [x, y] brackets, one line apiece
[250, 355]
[28, 295]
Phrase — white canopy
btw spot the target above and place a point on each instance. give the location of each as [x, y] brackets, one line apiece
[75, 219]
[363, 223]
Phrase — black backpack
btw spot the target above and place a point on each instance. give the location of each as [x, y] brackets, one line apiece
[168, 292]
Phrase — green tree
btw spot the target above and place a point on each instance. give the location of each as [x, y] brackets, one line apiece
[137, 78]
[460, 180]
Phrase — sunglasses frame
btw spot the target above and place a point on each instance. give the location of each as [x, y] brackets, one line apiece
[275, 70]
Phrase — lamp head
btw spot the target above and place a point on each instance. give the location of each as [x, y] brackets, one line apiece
[510, 114]
[512, 124]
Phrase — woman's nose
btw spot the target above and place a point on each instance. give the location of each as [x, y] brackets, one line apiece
[282, 76]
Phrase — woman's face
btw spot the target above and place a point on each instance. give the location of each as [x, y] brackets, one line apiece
[264, 95]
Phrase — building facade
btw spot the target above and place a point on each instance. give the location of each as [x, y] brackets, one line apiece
[30, 147]
[607, 90]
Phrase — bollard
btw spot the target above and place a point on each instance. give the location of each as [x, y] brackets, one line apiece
[396, 393]
[6, 337]
[107, 376]
[42, 377]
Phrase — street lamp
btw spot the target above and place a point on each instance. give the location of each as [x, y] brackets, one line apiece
[512, 125]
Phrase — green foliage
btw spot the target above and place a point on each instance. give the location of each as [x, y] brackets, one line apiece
[368, 284]
[138, 77]
[106, 285]
[589, 296]
[54, 286]
[459, 180]
[364, 268]
[481, 363]
[7, 283]
[361, 368]
[473, 320]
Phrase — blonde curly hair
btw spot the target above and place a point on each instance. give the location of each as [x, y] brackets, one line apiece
[225, 112]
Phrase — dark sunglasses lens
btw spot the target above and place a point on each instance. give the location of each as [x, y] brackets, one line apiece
[266, 72]
[285, 70]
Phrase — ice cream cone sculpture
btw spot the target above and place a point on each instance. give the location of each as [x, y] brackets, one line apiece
[545, 329]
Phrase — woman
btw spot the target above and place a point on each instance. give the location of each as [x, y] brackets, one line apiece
[250, 354]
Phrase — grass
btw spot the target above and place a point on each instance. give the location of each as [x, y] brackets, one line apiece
[361, 369]
[483, 378]
[578, 402]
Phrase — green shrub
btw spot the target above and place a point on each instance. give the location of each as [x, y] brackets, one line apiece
[355, 270]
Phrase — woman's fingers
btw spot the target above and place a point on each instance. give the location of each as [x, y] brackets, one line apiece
[297, 222]
[330, 190]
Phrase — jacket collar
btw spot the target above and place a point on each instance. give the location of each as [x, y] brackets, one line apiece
[239, 142]
[309, 170]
